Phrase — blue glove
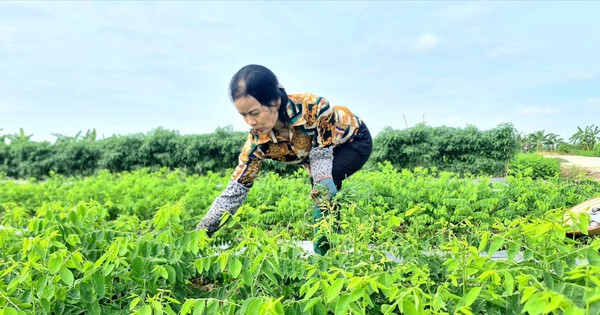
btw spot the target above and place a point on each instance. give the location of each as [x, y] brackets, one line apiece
[330, 185]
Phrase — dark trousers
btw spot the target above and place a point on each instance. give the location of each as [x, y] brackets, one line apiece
[351, 156]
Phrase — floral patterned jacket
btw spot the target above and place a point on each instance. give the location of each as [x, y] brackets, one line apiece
[315, 129]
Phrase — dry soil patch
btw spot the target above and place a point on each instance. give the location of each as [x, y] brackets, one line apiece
[590, 164]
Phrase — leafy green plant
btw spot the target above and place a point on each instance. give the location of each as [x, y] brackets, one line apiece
[415, 242]
[535, 166]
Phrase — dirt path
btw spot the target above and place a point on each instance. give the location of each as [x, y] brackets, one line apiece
[590, 164]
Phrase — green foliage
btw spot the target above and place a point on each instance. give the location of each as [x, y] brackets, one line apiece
[452, 149]
[566, 148]
[412, 242]
[28, 159]
[539, 141]
[77, 156]
[535, 166]
[467, 150]
[587, 138]
[596, 151]
[19, 138]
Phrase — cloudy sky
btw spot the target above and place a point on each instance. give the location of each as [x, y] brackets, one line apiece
[130, 67]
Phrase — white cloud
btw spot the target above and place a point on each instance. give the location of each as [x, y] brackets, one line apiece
[427, 42]
[537, 110]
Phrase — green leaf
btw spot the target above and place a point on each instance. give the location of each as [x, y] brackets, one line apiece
[509, 283]
[388, 309]
[212, 306]
[66, 276]
[335, 289]
[10, 311]
[555, 301]
[411, 211]
[235, 267]
[341, 306]
[309, 305]
[408, 307]
[471, 296]
[186, 308]
[199, 307]
[312, 290]
[134, 303]
[145, 310]
[357, 294]
[247, 276]
[270, 275]
[172, 276]
[98, 283]
[40, 284]
[484, 239]
[157, 306]
[55, 262]
[535, 304]
[49, 291]
[593, 257]
[94, 309]
[247, 304]
[496, 244]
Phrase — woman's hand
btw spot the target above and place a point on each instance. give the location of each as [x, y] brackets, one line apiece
[324, 188]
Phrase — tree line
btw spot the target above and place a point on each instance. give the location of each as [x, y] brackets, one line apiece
[462, 150]
[584, 142]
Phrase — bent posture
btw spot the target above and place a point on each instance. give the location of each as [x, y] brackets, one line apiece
[330, 142]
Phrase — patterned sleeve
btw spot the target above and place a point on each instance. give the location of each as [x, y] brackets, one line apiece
[321, 116]
[321, 163]
[334, 124]
[249, 163]
[230, 200]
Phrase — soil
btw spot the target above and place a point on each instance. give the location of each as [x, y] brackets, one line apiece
[589, 165]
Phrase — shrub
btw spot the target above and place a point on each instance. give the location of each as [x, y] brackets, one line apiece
[596, 150]
[565, 148]
[535, 166]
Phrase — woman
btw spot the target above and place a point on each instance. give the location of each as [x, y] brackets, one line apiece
[329, 141]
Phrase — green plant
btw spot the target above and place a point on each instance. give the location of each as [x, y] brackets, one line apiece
[535, 166]
[415, 242]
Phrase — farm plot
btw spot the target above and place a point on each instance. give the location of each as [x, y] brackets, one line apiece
[124, 243]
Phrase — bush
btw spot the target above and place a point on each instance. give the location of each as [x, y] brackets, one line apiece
[460, 150]
[535, 166]
[596, 150]
[565, 148]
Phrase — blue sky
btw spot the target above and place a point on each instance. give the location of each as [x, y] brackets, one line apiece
[130, 67]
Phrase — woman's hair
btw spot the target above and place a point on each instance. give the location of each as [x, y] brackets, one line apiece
[261, 83]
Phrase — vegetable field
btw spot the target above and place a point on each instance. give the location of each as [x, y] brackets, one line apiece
[124, 243]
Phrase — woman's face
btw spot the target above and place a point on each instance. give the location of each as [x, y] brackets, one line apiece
[260, 118]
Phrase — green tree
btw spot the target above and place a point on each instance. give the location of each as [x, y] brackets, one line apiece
[20, 137]
[551, 141]
[537, 139]
[587, 138]
[90, 136]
